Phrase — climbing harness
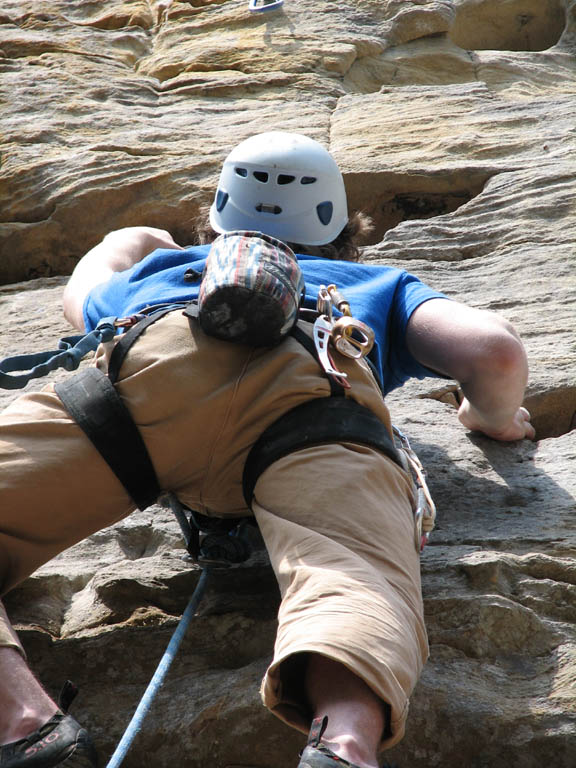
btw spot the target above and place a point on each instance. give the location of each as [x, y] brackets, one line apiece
[110, 426]
[93, 402]
[264, 6]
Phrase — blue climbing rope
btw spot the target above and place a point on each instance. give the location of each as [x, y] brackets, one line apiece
[155, 684]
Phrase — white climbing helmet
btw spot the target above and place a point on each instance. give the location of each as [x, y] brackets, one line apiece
[282, 184]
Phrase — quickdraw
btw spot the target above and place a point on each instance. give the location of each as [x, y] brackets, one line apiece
[351, 337]
[425, 514]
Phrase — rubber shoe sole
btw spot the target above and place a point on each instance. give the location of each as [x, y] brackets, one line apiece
[60, 741]
[322, 757]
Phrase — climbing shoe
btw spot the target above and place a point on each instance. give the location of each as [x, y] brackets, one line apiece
[59, 742]
[316, 755]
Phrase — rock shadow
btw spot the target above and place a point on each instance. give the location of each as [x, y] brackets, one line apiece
[390, 199]
[498, 498]
[516, 25]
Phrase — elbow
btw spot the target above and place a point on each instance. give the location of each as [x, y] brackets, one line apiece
[72, 307]
[500, 353]
[134, 243]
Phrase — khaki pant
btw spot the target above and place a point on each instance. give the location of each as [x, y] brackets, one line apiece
[337, 519]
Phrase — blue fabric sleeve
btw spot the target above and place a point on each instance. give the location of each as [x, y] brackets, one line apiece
[104, 300]
[158, 278]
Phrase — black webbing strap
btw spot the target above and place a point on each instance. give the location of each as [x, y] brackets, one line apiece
[92, 401]
[125, 341]
[323, 420]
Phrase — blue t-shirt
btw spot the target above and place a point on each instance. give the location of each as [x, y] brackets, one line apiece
[383, 297]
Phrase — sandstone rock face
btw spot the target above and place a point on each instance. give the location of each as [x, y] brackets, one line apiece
[453, 122]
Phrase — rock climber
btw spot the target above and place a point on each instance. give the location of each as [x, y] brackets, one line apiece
[337, 517]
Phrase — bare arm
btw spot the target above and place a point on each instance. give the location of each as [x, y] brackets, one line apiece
[118, 251]
[483, 352]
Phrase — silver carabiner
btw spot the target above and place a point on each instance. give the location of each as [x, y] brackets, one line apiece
[324, 303]
[322, 335]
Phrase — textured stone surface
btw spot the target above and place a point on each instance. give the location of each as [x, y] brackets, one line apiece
[453, 123]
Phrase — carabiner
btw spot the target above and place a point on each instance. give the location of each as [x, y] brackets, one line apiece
[324, 303]
[342, 304]
[425, 515]
[263, 6]
[352, 337]
[322, 335]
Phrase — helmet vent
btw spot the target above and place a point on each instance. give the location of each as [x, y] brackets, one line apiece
[308, 180]
[241, 172]
[268, 208]
[221, 200]
[285, 178]
[324, 211]
[261, 176]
